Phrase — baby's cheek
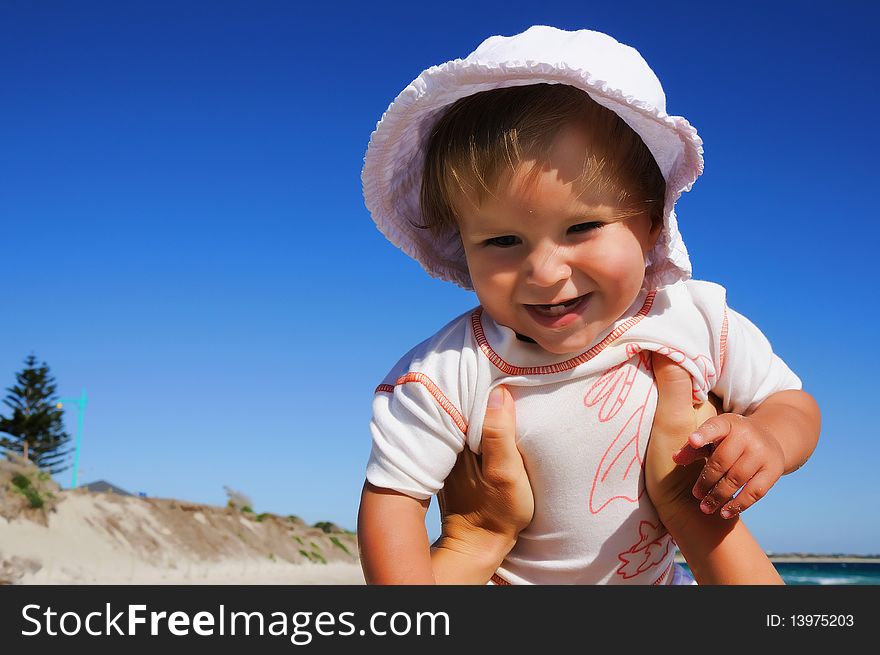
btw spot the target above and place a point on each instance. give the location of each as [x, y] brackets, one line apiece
[494, 284]
[622, 269]
[494, 292]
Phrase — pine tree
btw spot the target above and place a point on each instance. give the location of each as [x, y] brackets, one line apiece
[35, 419]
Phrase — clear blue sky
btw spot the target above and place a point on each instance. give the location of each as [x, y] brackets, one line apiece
[184, 235]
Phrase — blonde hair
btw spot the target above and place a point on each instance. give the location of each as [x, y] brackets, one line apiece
[482, 135]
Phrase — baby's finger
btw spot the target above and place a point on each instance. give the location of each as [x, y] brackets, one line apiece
[755, 490]
[713, 430]
[743, 470]
[720, 462]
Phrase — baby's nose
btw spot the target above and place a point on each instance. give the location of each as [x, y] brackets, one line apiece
[548, 265]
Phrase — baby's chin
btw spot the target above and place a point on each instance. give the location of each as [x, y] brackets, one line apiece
[568, 345]
[563, 342]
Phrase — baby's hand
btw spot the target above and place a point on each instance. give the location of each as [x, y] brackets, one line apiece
[741, 454]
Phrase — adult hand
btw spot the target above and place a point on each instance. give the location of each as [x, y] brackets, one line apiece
[486, 500]
[669, 484]
[718, 551]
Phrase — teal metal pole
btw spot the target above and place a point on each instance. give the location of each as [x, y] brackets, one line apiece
[79, 427]
[81, 410]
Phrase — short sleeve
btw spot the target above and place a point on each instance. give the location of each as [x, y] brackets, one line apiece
[417, 436]
[750, 370]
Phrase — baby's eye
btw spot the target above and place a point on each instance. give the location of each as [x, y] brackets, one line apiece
[586, 227]
[503, 242]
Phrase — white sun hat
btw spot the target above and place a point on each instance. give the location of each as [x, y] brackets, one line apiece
[613, 74]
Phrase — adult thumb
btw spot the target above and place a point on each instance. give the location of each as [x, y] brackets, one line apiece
[499, 451]
[674, 417]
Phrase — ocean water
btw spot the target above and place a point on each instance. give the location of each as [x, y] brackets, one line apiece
[829, 573]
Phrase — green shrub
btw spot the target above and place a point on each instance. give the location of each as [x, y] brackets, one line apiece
[34, 498]
[23, 486]
[21, 481]
[315, 558]
[339, 544]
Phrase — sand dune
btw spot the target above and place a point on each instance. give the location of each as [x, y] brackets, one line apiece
[79, 537]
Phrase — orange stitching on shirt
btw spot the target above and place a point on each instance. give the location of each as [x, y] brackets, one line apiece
[569, 364]
[723, 344]
[497, 579]
[435, 391]
[664, 574]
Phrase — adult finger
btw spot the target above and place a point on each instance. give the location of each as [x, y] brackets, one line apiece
[668, 484]
[500, 456]
[674, 415]
[460, 482]
[688, 454]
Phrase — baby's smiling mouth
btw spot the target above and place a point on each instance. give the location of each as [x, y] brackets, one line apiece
[557, 309]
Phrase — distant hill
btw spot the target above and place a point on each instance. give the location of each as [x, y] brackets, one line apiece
[104, 486]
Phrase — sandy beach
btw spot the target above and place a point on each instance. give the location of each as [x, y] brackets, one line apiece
[82, 537]
[106, 539]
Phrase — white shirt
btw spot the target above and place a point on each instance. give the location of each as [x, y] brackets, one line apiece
[583, 422]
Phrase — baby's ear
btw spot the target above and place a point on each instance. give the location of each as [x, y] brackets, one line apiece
[654, 233]
[656, 224]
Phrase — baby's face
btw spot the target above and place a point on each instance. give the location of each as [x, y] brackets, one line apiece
[549, 264]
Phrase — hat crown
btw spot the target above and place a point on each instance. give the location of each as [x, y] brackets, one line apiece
[600, 55]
